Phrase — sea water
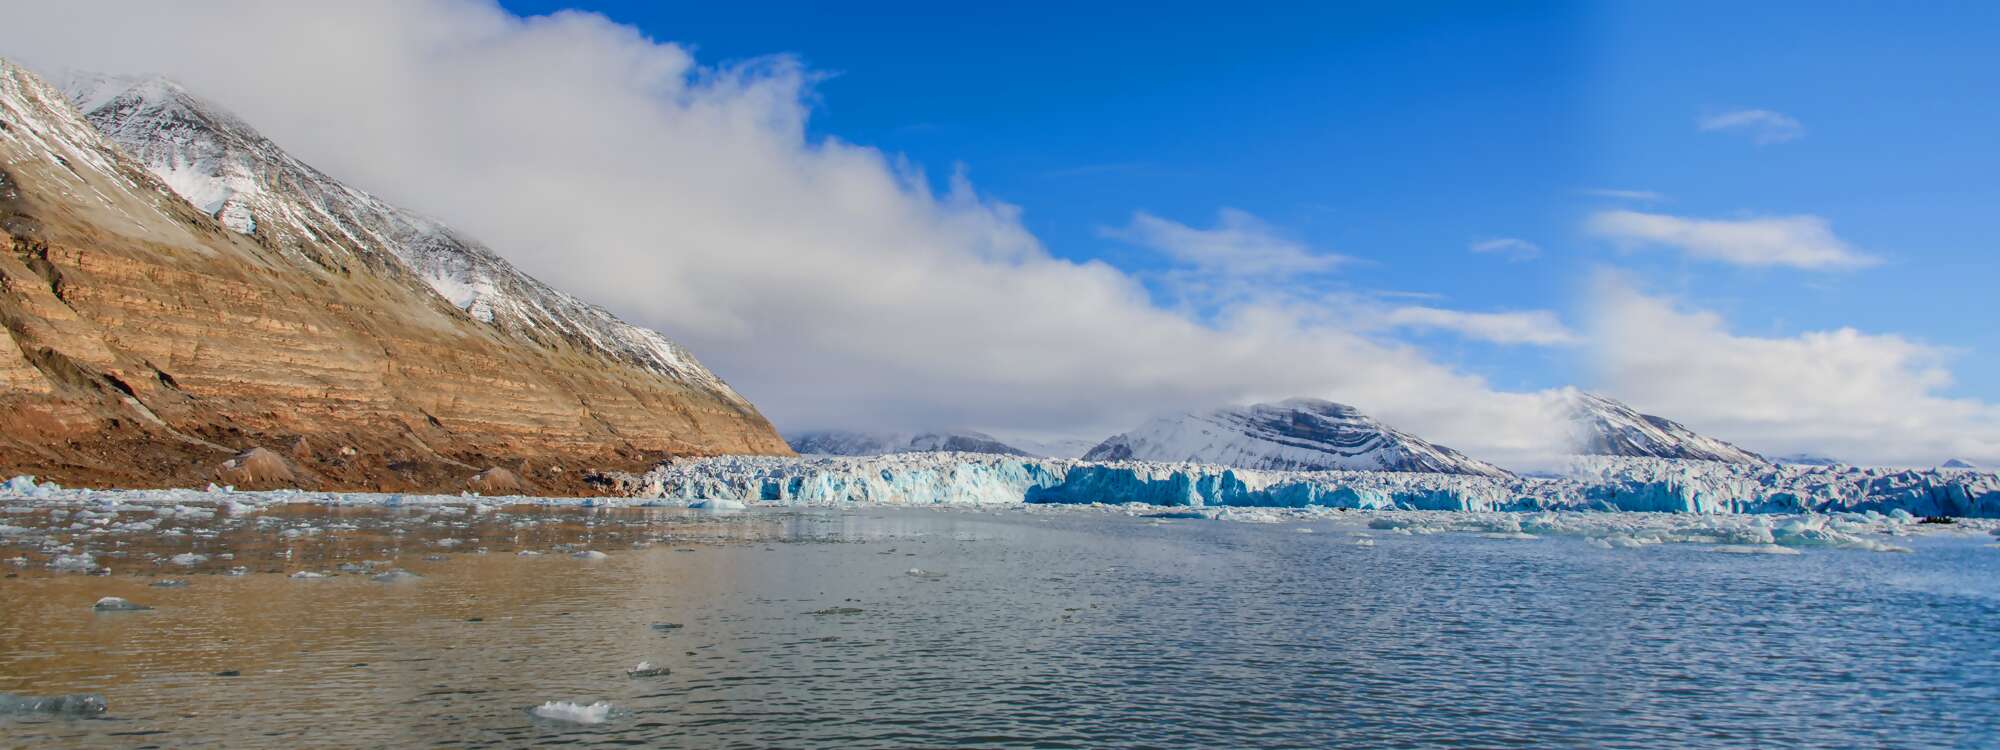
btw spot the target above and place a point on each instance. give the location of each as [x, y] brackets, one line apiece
[1020, 628]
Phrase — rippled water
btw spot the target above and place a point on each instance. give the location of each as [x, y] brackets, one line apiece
[1069, 629]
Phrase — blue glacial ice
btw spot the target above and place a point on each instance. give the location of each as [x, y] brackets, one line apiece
[1590, 483]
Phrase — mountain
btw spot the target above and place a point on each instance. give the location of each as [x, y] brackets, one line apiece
[212, 295]
[1606, 427]
[1804, 459]
[1053, 447]
[1297, 434]
[846, 443]
[1958, 463]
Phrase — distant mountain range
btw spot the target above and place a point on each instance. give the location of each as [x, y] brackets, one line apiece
[849, 443]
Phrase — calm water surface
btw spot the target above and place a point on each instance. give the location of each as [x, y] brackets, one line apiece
[1074, 629]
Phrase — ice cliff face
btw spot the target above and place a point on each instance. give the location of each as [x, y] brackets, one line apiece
[1592, 483]
[1605, 427]
[846, 443]
[1294, 435]
[227, 169]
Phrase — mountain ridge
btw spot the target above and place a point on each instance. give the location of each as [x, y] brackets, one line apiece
[147, 342]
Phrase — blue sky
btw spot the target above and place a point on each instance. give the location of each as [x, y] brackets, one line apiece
[1401, 135]
[1769, 221]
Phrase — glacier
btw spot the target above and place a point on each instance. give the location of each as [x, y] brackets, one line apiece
[1589, 483]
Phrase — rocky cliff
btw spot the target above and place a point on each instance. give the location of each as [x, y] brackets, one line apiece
[148, 343]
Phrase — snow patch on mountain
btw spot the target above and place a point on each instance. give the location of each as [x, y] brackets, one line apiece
[1299, 434]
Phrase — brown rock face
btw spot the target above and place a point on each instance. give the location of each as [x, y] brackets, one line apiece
[145, 344]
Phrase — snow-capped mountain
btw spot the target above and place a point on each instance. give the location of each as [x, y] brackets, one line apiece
[848, 443]
[1804, 459]
[226, 168]
[1298, 434]
[1606, 427]
[1958, 463]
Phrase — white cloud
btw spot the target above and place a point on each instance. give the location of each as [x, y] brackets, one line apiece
[1514, 249]
[1538, 327]
[830, 282]
[1795, 241]
[1856, 396]
[1762, 125]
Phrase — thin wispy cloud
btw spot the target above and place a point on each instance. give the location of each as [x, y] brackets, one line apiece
[1763, 126]
[1511, 248]
[1802, 241]
[1535, 327]
[1239, 244]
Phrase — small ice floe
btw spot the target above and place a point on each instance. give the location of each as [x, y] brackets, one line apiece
[395, 576]
[1754, 549]
[116, 604]
[188, 559]
[589, 554]
[646, 669]
[924, 574]
[718, 503]
[170, 583]
[1513, 535]
[308, 575]
[79, 704]
[595, 713]
[1364, 542]
[1303, 530]
[527, 553]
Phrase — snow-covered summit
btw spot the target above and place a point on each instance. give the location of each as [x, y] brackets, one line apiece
[1606, 427]
[850, 443]
[1298, 434]
[223, 166]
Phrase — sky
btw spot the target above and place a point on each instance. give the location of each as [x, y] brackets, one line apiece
[1767, 221]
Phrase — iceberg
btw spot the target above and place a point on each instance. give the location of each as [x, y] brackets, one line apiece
[595, 713]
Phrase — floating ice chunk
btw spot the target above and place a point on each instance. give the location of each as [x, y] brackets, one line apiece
[308, 575]
[595, 713]
[1599, 543]
[589, 554]
[1364, 542]
[396, 576]
[170, 583]
[646, 669]
[115, 604]
[1754, 549]
[718, 503]
[1303, 530]
[79, 704]
[527, 553]
[921, 573]
[188, 559]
